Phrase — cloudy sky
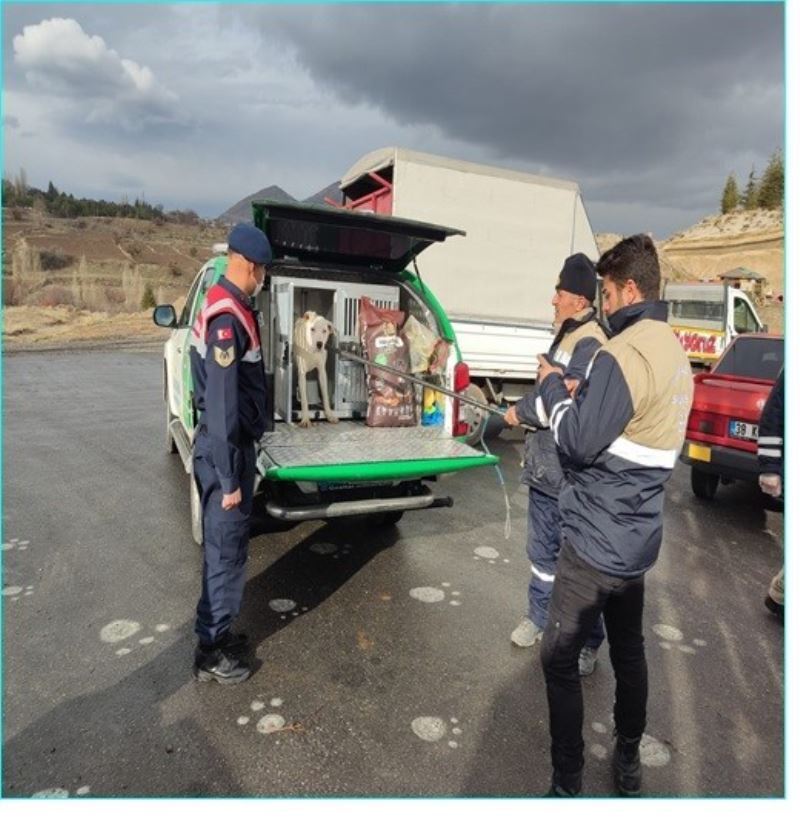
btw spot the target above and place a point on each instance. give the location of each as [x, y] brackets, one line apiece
[647, 107]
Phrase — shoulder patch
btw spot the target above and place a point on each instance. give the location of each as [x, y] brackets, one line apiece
[225, 333]
[224, 356]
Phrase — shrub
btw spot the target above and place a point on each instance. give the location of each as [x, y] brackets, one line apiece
[175, 269]
[55, 260]
[52, 295]
[148, 297]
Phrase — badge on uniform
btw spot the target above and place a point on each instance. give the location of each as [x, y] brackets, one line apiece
[223, 356]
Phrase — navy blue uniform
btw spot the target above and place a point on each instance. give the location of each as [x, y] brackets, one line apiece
[572, 350]
[231, 396]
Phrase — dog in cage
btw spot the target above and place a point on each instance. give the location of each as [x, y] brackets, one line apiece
[311, 335]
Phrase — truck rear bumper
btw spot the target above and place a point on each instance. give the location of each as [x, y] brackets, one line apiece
[343, 509]
[721, 460]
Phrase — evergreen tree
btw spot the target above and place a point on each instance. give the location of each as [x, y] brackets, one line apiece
[770, 191]
[730, 195]
[749, 197]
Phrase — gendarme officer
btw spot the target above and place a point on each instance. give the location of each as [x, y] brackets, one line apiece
[231, 396]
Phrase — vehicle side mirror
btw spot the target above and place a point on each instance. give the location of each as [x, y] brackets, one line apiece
[165, 316]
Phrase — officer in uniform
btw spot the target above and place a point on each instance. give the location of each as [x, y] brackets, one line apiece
[231, 398]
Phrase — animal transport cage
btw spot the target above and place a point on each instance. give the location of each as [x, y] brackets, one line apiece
[337, 301]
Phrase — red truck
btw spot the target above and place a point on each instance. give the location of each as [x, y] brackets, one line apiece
[722, 432]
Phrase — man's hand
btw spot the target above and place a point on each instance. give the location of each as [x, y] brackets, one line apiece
[770, 485]
[232, 500]
[546, 368]
[572, 385]
[510, 416]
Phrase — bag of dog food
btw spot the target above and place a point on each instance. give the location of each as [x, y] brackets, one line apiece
[391, 398]
[421, 343]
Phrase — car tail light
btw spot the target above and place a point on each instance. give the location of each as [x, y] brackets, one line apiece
[707, 423]
[460, 385]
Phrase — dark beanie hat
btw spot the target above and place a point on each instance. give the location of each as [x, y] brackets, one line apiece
[578, 276]
[250, 242]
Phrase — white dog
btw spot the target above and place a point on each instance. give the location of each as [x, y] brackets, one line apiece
[311, 332]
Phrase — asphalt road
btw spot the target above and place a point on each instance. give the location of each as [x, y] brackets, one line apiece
[101, 577]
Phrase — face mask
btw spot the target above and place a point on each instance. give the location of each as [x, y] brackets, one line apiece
[259, 286]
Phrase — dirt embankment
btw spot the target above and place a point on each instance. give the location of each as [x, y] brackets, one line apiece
[31, 328]
[88, 280]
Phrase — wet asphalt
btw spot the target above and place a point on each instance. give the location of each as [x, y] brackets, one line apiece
[101, 577]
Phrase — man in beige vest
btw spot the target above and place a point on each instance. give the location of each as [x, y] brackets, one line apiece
[619, 439]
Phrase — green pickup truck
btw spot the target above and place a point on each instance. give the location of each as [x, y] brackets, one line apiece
[325, 260]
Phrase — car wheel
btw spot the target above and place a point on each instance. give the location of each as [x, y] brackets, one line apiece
[704, 484]
[196, 510]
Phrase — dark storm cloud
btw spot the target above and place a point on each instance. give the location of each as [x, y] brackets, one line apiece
[648, 101]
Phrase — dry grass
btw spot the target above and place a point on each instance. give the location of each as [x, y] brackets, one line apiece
[26, 327]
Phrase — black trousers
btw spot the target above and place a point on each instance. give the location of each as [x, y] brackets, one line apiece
[580, 595]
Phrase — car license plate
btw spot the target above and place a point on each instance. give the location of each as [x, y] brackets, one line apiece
[743, 431]
[700, 453]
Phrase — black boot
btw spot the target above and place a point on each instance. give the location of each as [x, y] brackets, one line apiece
[233, 644]
[214, 663]
[773, 607]
[627, 766]
[566, 785]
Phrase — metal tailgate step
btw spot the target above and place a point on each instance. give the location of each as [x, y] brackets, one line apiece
[351, 443]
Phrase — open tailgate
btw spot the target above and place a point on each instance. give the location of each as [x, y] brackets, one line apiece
[351, 451]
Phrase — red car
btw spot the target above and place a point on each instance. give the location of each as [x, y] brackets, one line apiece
[722, 430]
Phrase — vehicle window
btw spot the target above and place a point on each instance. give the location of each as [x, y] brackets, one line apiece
[743, 320]
[760, 357]
[185, 316]
[681, 310]
[414, 306]
[205, 283]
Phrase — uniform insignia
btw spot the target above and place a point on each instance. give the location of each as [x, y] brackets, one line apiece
[223, 356]
[225, 334]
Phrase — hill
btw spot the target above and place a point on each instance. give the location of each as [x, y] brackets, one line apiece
[241, 212]
[331, 192]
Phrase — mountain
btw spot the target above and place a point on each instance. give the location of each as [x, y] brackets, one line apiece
[241, 211]
[332, 192]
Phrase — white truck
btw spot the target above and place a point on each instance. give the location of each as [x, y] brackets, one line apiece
[496, 282]
[706, 316]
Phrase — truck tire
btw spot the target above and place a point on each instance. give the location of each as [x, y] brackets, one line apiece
[474, 417]
[704, 484]
[386, 519]
[195, 510]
